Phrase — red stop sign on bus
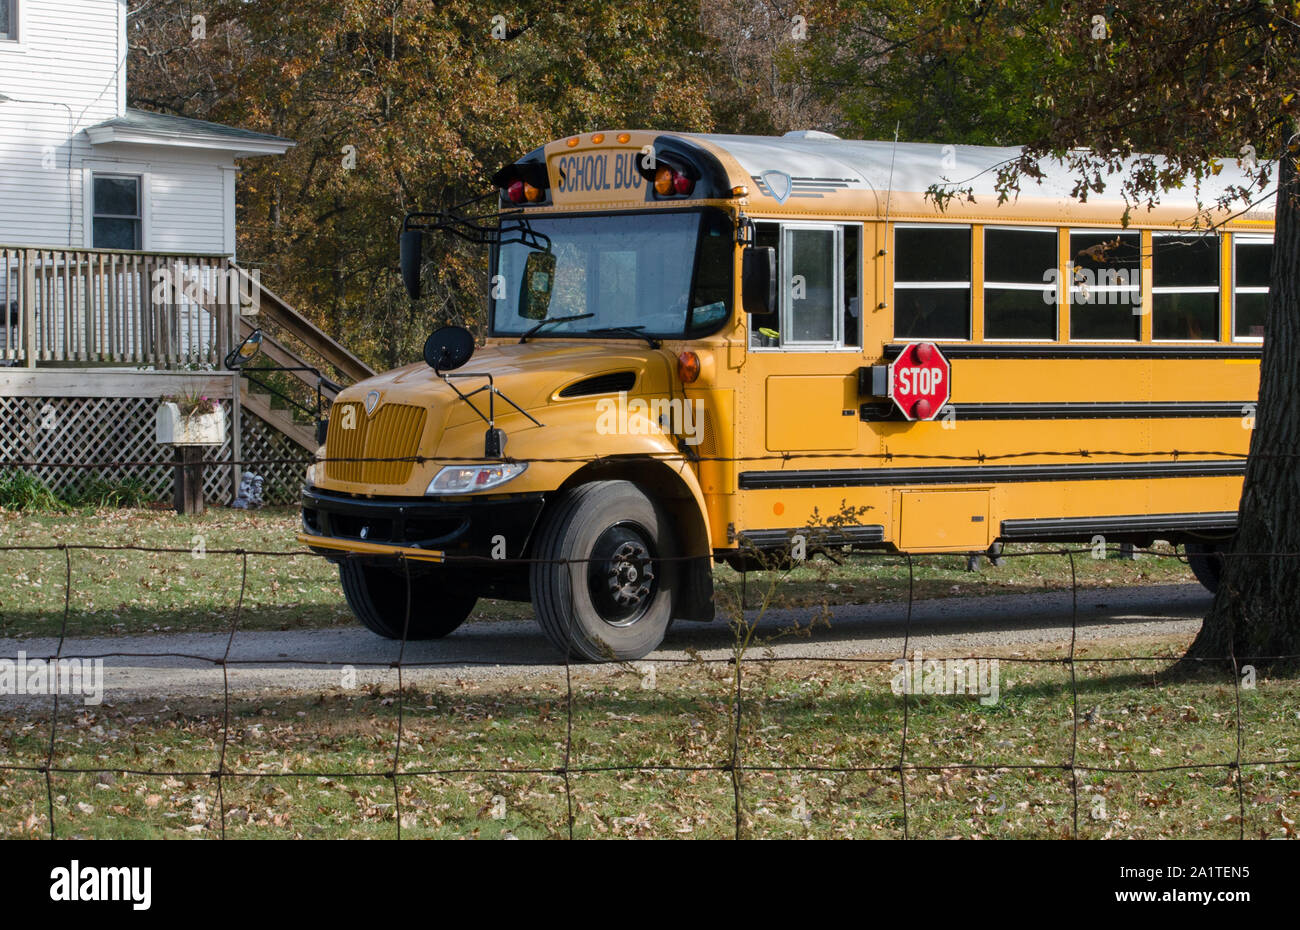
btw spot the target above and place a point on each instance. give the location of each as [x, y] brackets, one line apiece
[919, 381]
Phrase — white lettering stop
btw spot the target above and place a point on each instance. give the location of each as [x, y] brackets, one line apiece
[920, 380]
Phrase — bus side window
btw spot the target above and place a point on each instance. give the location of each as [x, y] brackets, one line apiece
[810, 286]
[1019, 296]
[1250, 267]
[820, 270]
[714, 275]
[1106, 285]
[767, 235]
[932, 272]
[852, 330]
[1185, 287]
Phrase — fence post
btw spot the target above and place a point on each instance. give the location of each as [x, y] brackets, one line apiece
[29, 307]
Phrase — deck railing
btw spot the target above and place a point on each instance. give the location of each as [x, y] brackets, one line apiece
[99, 306]
[148, 309]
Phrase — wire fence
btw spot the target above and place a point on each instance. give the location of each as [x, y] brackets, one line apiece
[888, 456]
[739, 663]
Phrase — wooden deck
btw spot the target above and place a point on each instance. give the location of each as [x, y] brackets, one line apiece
[93, 339]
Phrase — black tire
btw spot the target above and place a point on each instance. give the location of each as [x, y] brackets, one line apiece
[377, 596]
[612, 599]
[1206, 561]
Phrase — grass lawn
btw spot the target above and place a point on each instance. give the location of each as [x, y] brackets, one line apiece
[799, 722]
[134, 592]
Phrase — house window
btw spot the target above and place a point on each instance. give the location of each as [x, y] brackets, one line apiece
[818, 266]
[9, 20]
[1185, 286]
[117, 218]
[932, 272]
[1106, 285]
[1019, 293]
[1250, 260]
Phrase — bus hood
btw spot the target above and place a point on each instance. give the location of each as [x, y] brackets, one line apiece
[532, 375]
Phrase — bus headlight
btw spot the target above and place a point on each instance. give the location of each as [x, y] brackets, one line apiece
[317, 468]
[466, 479]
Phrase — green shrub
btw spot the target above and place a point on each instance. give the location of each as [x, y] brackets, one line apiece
[20, 490]
[103, 492]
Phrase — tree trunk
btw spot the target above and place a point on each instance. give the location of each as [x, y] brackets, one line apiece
[1256, 613]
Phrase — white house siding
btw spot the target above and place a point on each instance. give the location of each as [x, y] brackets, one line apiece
[188, 211]
[70, 59]
[70, 62]
[185, 195]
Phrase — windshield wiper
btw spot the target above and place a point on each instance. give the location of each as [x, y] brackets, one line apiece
[552, 319]
[630, 331]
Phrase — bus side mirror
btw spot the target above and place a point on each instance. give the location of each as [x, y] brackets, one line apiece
[758, 280]
[412, 249]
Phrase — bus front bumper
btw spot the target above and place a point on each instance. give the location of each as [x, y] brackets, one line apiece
[422, 529]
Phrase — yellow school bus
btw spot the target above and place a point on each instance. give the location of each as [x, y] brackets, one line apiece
[701, 347]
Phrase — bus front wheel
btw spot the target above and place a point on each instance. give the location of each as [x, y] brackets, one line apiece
[1206, 562]
[377, 596]
[603, 577]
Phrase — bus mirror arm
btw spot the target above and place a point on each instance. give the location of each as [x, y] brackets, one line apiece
[745, 230]
[494, 440]
[479, 229]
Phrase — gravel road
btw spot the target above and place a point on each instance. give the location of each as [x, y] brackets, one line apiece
[314, 660]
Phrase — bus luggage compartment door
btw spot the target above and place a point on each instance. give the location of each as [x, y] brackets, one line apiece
[812, 413]
[944, 520]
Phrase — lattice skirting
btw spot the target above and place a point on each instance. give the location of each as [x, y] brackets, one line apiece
[281, 484]
[121, 429]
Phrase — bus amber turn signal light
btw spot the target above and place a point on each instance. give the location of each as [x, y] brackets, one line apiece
[522, 192]
[688, 367]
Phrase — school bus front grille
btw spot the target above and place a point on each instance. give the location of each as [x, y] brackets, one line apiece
[392, 432]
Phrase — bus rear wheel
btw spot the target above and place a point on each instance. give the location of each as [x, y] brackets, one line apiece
[603, 580]
[377, 596]
[1206, 562]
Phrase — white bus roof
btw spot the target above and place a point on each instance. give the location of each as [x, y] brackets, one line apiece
[819, 164]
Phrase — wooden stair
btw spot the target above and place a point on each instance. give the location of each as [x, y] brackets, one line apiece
[272, 309]
[260, 404]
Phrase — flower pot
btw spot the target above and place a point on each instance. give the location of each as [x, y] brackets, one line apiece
[173, 429]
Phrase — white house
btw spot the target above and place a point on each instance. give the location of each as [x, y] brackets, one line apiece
[98, 204]
[78, 169]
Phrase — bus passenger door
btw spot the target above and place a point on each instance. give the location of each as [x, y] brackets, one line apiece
[804, 358]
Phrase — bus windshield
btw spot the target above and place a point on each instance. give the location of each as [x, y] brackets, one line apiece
[619, 271]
